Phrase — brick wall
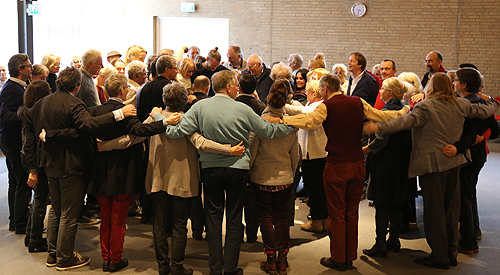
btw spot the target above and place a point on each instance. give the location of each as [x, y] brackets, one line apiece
[405, 31]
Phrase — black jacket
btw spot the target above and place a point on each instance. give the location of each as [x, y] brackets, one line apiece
[367, 88]
[120, 172]
[60, 114]
[151, 96]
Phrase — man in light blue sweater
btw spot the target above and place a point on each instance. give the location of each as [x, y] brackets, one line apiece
[225, 120]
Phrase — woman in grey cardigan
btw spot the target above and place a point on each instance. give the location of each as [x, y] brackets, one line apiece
[437, 121]
[272, 166]
[172, 179]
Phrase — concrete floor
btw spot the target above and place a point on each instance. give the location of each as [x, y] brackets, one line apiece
[307, 248]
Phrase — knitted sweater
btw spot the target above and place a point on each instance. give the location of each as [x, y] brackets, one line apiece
[274, 161]
[226, 121]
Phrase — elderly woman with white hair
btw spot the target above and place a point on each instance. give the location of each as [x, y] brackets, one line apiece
[137, 75]
[281, 70]
[340, 70]
[40, 72]
[53, 63]
[172, 179]
[312, 144]
[118, 174]
[101, 79]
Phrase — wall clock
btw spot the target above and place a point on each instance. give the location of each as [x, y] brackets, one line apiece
[358, 9]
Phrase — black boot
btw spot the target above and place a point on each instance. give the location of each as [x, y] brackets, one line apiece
[393, 243]
[379, 249]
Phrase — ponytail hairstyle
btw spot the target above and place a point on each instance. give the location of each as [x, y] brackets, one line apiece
[214, 54]
[396, 86]
[318, 61]
[278, 93]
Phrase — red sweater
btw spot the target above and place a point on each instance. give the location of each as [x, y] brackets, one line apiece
[343, 127]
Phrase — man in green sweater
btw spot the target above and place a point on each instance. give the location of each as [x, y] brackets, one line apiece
[224, 177]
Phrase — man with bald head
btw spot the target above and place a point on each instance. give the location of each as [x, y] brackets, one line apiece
[235, 59]
[433, 65]
[258, 69]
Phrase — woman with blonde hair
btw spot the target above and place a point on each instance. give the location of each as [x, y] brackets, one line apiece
[135, 52]
[53, 63]
[413, 79]
[316, 74]
[186, 69]
[312, 145]
[437, 121]
[389, 174]
[318, 61]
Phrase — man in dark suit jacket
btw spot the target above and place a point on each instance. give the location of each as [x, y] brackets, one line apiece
[361, 83]
[258, 69]
[152, 92]
[11, 97]
[66, 162]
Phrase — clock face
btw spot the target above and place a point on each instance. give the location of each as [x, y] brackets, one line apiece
[358, 9]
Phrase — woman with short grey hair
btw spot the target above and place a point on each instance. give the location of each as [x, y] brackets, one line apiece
[172, 179]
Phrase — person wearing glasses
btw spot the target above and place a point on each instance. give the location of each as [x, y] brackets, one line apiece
[208, 68]
[258, 69]
[11, 98]
[151, 93]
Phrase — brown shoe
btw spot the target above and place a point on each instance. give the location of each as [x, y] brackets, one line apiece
[331, 263]
[282, 263]
[313, 226]
[269, 266]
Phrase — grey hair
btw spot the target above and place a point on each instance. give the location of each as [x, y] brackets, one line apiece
[221, 79]
[133, 68]
[90, 56]
[114, 84]
[175, 97]
[164, 62]
[15, 62]
[331, 81]
[341, 66]
[297, 58]
[39, 69]
[281, 69]
[107, 71]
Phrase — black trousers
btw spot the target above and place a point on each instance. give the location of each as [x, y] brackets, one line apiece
[224, 187]
[19, 193]
[469, 219]
[312, 173]
[441, 194]
[170, 213]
